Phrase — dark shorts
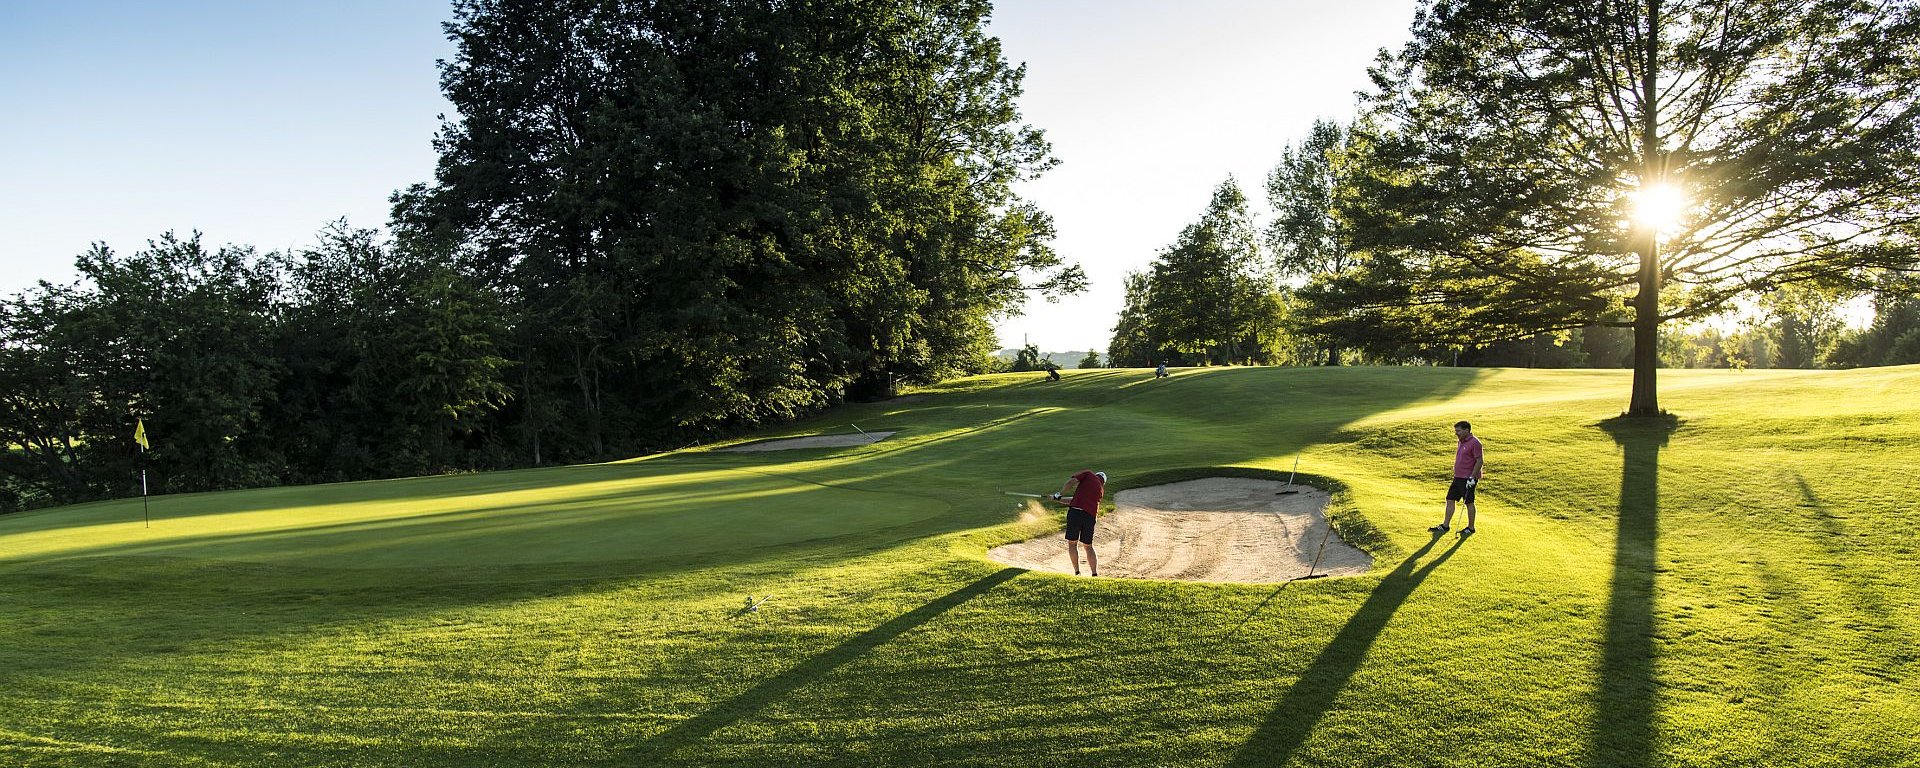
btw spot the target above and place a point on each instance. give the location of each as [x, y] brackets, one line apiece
[1460, 491]
[1079, 526]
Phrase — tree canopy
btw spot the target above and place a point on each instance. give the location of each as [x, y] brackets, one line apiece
[720, 213]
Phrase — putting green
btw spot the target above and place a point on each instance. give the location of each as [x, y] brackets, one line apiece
[1734, 587]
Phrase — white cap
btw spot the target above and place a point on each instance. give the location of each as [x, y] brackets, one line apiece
[1101, 475]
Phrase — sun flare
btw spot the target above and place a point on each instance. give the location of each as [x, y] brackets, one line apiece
[1659, 206]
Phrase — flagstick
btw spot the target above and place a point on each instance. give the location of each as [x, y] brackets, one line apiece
[145, 516]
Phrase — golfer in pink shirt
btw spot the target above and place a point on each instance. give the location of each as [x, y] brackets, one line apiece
[1468, 464]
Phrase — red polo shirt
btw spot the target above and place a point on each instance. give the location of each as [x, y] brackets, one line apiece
[1086, 495]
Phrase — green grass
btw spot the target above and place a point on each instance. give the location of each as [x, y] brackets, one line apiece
[1737, 587]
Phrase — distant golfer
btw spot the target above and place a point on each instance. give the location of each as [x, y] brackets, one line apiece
[1085, 490]
[1468, 463]
[1160, 372]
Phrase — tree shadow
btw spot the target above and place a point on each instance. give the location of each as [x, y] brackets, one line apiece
[1623, 728]
[1294, 718]
[1873, 606]
[746, 704]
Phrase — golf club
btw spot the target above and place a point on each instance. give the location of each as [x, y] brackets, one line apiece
[856, 428]
[1028, 495]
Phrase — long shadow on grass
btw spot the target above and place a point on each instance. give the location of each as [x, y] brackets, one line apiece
[1294, 718]
[773, 689]
[1837, 543]
[1623, 729]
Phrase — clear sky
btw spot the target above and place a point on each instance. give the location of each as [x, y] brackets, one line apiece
[254, 122]
[1151, 104]
[258, 122]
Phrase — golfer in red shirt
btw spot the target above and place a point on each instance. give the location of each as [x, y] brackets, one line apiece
[1468, 463]
[1085, 488]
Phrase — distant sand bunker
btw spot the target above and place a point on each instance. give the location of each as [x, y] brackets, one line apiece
[1224, 529]
[817, 441]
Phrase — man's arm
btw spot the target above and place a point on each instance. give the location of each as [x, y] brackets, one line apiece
[1066, 491]
[1479, 461]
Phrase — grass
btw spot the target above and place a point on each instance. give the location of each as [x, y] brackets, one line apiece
[1731, 587]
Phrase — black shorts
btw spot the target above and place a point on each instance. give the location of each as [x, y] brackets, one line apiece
[1079, 525]
[1460, 491]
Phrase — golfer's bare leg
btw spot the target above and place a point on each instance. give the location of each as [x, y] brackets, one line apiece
[1469, 516]
[1448, 523]
[1092, 561]
[1073, 555]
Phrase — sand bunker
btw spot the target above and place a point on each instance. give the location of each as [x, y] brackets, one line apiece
[1224, 529]
[817, 441]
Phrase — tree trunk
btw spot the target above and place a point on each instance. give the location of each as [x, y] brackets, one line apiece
[587, 375]
[1646, 306]
[1646, 337]
[1333, 355]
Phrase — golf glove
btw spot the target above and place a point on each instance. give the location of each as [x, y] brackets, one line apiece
[1471, 482]
[1056, 497]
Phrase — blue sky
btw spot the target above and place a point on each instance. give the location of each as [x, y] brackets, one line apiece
[259, 122]
[255, 122]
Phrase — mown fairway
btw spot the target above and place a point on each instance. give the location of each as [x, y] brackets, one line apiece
[1736, 589]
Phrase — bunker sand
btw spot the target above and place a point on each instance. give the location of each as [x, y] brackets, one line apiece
[1220, 529]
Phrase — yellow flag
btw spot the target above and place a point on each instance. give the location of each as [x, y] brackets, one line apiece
[140, 434]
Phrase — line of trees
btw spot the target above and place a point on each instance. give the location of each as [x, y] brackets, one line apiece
[649, 223]
[351, 359]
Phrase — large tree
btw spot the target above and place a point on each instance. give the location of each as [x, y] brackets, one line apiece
[1547, 165]
[1307, 237]
[720, 212]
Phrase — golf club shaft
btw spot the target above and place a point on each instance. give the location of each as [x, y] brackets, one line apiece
[1028, 495]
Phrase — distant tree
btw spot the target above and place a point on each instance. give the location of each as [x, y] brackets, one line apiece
[1028, 359]
[1307, 237]
[1092, 360]
[1750, 145]
[1893, 338]
[1546, 350]
[1209, 286]
[1607, 346]
[1802, 323]
[1137, 342]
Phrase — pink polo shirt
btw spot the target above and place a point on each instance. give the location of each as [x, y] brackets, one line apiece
[1466, 457]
